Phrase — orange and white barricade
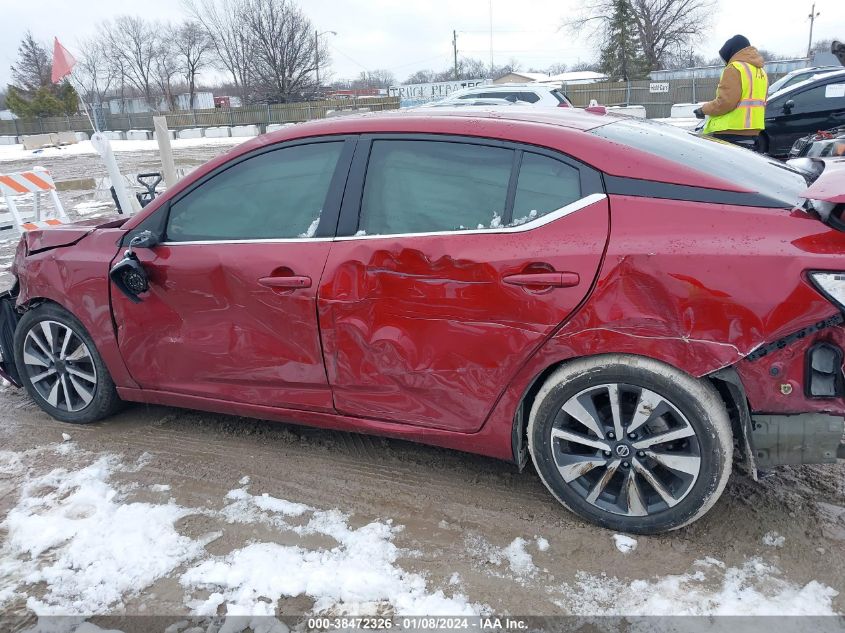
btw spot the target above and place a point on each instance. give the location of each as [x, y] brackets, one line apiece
[38, 181]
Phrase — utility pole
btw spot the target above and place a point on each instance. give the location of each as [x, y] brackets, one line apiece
[455, 51]
[317, 58]
[813, 16]
[491, 38]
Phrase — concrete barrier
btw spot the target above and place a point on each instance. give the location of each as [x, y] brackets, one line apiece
[8, 140]
[37, 141]
[275, 127]
[634, 110]
[114, 136]
[170, 133]
[217, 132]
[191, 132]
[245, 130]
[684, 110]
[138, 135]
[66, 138]
[81, 136]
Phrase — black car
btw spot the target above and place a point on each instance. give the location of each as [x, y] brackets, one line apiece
[802, 109]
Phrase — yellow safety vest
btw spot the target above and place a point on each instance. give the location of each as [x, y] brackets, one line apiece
[750, 112]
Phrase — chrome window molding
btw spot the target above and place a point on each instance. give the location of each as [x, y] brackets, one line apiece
[528, 226]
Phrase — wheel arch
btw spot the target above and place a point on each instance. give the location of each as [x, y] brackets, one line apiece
[726, 381]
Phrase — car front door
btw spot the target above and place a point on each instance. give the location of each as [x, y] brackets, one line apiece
[455, 259]
[231, 310]
[820, 107]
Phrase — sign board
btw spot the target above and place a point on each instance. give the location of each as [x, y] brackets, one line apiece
[415, 94]
[656, 88]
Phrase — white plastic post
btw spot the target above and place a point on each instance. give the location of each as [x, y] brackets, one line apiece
[10, 202]
[128, 203]
[168, 167]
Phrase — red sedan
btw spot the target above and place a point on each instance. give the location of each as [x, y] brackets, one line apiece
[627, 305]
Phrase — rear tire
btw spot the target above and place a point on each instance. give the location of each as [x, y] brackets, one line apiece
[60, 366]
[630, 443]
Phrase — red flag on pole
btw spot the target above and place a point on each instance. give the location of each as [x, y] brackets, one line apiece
[63, 62]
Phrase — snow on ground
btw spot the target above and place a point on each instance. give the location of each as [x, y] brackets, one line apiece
[624, 543]
[17, 152]
[773, 539]
[755, 588]
[77, 533]
[519, 561]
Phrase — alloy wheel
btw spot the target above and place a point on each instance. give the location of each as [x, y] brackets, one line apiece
[59, 366]
[625, 449]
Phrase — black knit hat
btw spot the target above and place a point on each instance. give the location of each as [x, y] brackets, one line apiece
[733, 46]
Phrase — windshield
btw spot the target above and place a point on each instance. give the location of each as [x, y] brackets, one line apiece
[733, 164]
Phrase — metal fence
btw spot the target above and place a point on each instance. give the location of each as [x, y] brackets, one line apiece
[656, 96]
[249, 115]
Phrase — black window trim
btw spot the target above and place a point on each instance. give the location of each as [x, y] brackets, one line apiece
[592, 183]
[157, 222]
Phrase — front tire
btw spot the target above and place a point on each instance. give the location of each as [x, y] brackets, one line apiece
[630, 443]
[60, 367]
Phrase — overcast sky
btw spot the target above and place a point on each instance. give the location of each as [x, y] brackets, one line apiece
[406, 35]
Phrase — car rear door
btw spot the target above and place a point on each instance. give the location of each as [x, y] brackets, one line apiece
[818, 107]
[455, 259]
[231, 311]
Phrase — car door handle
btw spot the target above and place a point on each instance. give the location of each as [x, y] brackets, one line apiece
[290, 282]
[554, 280]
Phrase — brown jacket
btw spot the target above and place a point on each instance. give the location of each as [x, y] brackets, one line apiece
[729, 92]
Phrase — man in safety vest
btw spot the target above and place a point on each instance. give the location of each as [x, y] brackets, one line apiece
[738, 113]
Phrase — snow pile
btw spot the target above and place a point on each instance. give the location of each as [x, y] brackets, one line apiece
[71, 531]
[773, 539]
[542, 544]
[756, 588]
[624, 544]
[356, 576]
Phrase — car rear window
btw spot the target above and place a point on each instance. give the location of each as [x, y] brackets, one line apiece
[751, 171]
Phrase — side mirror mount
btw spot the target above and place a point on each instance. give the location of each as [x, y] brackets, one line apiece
[787, 106]
[128, 274]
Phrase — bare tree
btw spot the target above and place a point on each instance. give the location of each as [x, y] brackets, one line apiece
[285, 48]
[378, 78]
[192, 48]
[166, 66]
[95, 70]
[136, 43]
[225, 23]
[662, 26]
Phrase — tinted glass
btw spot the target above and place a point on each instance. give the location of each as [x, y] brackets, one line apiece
[754, 172]
[429, 186]
[275, 195]
[544, 185]
[529, 97]
[821, 98]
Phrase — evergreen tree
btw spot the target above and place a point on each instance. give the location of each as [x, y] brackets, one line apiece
[33, 93]
[622, 55]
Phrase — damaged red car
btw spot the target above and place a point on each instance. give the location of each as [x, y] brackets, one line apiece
[628, 306]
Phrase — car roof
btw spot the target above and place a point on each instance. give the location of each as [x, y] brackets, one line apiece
[821, 75]
[414, 120]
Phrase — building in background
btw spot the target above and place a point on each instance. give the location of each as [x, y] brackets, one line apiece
[139, 105]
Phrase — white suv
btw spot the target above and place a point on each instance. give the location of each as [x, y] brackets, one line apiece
[537, 94]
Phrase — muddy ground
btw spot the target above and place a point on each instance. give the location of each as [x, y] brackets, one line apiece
[448, 502]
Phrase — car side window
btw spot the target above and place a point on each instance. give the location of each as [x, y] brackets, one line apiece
[819, 99]
[529, 97]
[432, 186]
[544, 185]
[275, 195]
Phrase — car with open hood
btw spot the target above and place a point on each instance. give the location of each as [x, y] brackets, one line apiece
[627, 306]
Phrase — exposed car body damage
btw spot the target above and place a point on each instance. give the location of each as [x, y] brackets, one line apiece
[423, 337]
